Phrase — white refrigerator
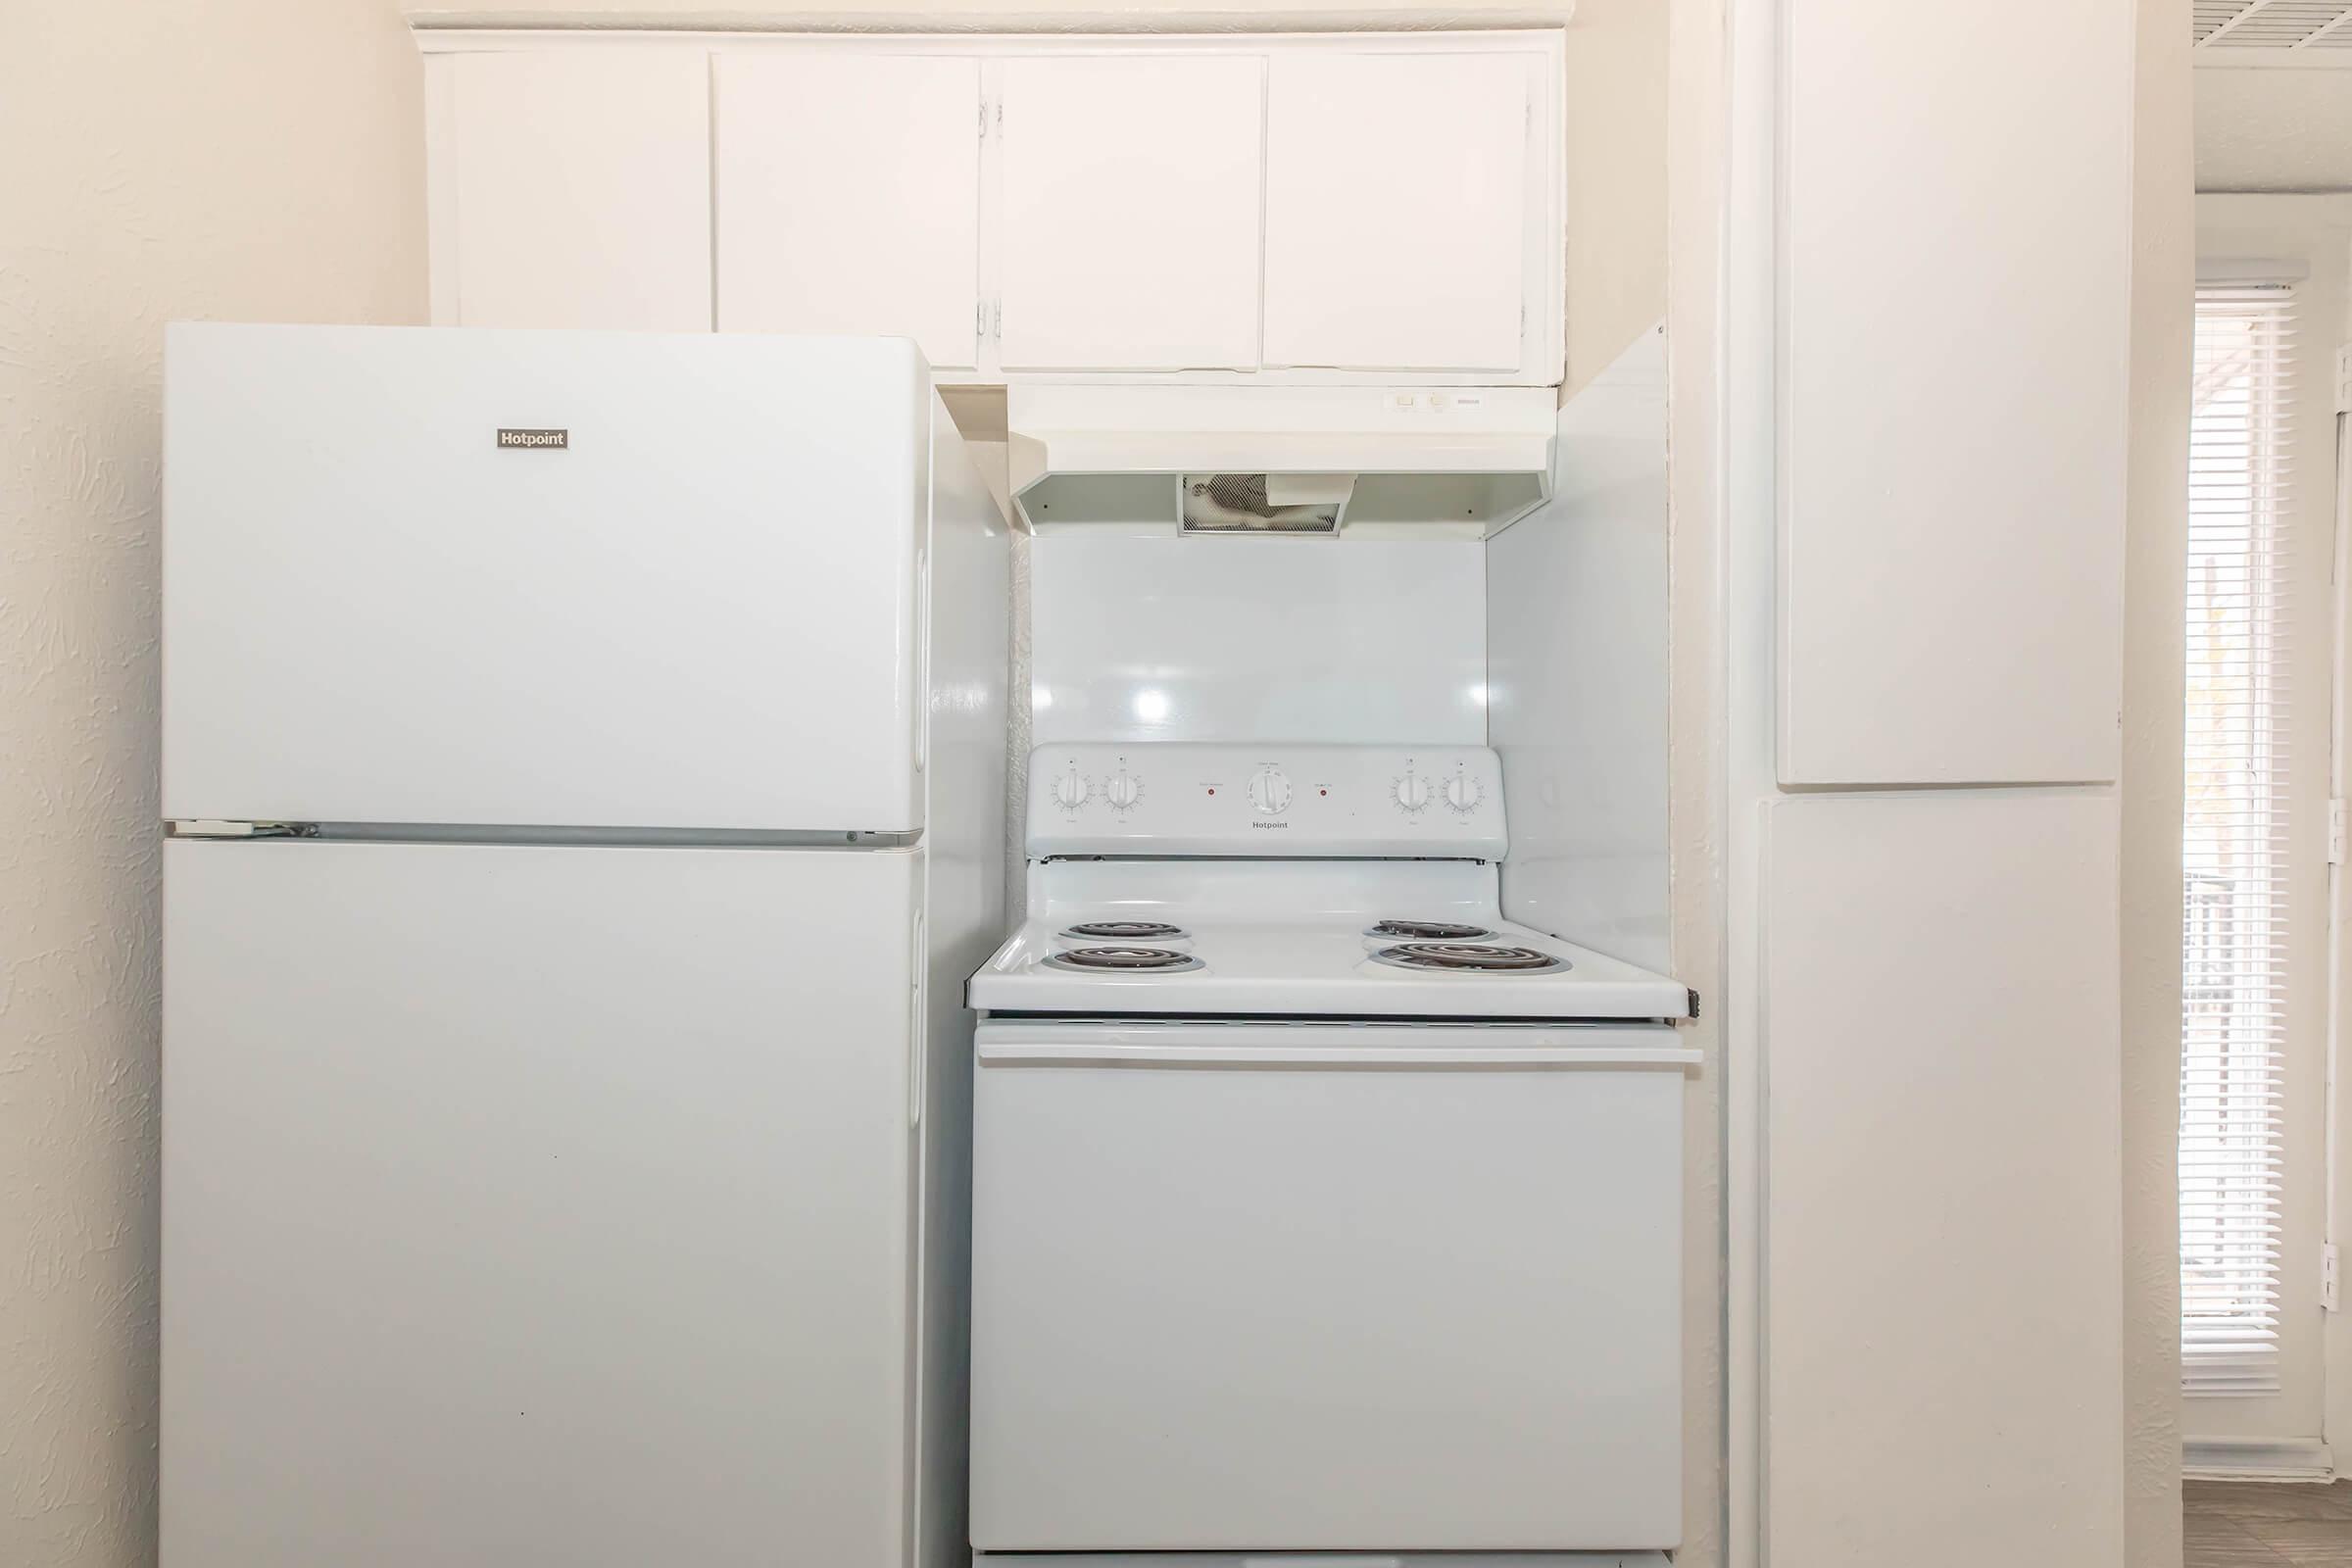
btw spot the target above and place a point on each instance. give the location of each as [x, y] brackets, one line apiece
[583, 766]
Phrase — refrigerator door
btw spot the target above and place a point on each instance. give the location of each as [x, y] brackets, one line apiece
[698, 612]
[535, 1205]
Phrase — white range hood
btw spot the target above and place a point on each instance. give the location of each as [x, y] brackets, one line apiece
[1356, 461]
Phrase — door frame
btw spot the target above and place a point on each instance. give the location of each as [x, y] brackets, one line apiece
[2310, 235]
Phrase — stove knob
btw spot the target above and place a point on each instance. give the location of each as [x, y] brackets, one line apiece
[1270, 791]
[1121, 791]
[1071, 789]
[1412, 792]
[1462, 793]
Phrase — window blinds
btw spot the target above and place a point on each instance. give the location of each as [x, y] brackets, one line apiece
[2235, 846]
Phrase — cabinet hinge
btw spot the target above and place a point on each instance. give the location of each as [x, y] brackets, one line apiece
[2335, 832]
[995, 321]
[2331, 1296]
[984, 120]
[2343, 379]
[1000, 115]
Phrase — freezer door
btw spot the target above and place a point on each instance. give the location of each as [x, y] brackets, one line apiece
[698, 612]
[535, 1205]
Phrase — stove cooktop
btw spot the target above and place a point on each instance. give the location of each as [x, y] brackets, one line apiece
[1175, 880]
[1329, 966]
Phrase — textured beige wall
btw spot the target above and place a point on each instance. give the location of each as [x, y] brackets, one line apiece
[1616, 164]
[255, 159]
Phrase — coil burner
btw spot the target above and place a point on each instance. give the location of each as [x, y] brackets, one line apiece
[1124, 960]
[1126, 931]
[1467, 957]
[1428, 931]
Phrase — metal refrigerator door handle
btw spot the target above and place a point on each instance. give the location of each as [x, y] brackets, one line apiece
[917, 1030]
[1467, 1057]
[214, 828]
[922, 659]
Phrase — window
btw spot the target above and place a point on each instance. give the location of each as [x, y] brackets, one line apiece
[2235, 846]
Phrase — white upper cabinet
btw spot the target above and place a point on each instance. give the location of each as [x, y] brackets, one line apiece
[1396, 210]
[1130, 219]
[1294, 209]
[1955, 357]
[849, 196]
[573, 188]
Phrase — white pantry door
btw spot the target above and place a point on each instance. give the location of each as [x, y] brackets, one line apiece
[848, 196]
[535, 1205]
[1131, 202]
[1944, 1373]
[1954, 337]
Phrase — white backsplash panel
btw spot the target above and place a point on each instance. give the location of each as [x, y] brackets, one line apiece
[1361, 641]
[1578, 673]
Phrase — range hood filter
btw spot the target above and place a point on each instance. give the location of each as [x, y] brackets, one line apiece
[1264, 503]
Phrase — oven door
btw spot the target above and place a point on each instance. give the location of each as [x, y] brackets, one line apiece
[1322, 1285]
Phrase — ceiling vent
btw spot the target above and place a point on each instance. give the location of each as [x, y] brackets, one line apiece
[2317, 32]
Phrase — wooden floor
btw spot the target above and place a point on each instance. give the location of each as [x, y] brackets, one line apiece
[2252, 1524]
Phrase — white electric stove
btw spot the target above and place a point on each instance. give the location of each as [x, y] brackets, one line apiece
[1318, 1208]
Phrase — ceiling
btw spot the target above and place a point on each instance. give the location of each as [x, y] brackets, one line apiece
[2319, 31]
[2281, 119]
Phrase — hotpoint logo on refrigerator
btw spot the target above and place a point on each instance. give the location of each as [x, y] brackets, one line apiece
[533, 438]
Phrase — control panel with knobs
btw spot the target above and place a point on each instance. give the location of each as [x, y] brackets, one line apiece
[1406, 802]
[1270, 792]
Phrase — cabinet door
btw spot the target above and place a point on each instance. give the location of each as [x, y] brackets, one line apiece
[1131, 212]
[1397, 211]
[1942, 1269]
[849, 197]
[583, 188]
[1955, 359]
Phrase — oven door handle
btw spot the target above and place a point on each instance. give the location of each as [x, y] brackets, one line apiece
[1343, 1058]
